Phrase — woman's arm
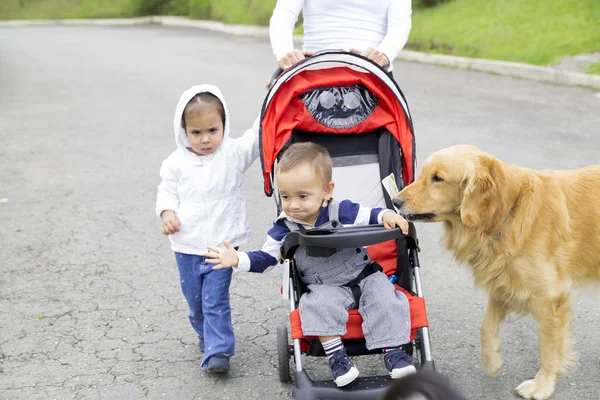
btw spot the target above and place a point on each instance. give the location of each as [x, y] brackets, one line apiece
[398, 28]
[281, 26]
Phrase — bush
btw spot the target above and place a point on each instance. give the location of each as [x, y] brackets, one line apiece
[428, 3]
[159, 7]
[251, 12]
[200, 9]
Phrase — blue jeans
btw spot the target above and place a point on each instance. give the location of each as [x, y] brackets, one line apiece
[207, 295]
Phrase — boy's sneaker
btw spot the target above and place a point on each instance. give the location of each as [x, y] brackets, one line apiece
[201, 343]
[219, 363]
[342, 369]
[398, 363]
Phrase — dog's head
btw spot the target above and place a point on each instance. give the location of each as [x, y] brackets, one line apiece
[456, 183]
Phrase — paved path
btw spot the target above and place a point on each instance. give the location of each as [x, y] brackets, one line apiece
[90, 306]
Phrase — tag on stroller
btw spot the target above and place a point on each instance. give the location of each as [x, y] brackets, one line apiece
[285, 284]
[389, 183]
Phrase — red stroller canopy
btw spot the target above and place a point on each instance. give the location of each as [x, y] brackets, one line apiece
[284, 111]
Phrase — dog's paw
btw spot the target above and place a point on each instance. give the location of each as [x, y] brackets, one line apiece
[531, 389]
[492, 364]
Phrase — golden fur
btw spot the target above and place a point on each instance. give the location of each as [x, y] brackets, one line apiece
[526, 235]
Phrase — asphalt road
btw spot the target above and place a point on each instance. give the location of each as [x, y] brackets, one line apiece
[90, 305]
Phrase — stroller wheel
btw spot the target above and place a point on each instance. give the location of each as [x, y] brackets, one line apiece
[283, 353]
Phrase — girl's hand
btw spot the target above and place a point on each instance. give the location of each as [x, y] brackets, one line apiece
[224, 258]
[170, 222]
[292, 58]
[374, 55]
[391, 220]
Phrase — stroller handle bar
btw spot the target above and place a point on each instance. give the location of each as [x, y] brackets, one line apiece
[344, 237]
[279, 70]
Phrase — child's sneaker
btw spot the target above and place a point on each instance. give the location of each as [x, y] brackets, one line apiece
[201, 343]
[342, 369]
[398, 363]
[218, 363]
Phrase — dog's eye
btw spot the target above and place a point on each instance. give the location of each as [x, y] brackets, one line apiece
[436, 178]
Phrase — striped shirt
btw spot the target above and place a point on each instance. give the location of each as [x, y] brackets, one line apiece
[350, 214]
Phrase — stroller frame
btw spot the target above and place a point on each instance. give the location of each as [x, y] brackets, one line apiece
[407, 264]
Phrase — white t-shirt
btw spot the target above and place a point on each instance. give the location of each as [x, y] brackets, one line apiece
[342, 24]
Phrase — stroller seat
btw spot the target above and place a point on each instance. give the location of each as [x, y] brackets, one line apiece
[385, 255]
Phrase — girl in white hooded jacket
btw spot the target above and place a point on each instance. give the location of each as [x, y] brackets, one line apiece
[201, 203]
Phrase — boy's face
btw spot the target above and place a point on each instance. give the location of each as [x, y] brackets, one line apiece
[205, 131]
[302, 192]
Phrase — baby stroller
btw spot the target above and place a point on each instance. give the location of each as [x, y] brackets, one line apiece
[353, 108]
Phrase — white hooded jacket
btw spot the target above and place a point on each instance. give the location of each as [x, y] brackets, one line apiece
[205, 192]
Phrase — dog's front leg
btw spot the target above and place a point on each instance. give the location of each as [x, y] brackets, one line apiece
[489, 333]
[552, 317]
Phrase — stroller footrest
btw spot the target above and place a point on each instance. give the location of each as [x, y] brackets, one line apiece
[370, 387]
[369, 382]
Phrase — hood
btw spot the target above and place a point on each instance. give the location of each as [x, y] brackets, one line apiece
[180, 136]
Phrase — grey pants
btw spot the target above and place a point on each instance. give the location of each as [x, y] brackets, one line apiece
[385, 311]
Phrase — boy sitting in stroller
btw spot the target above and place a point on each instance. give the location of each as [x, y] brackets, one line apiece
[304, 181]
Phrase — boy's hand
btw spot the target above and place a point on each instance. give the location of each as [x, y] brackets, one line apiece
[224, 258]
[170, 222]
[392, 220]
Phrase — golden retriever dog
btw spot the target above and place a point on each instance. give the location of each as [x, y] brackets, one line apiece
[526, 235]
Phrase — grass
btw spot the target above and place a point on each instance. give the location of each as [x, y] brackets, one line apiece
[64, 9]
[593, 68]
[253, 12]
[531, 31]
[248, 12]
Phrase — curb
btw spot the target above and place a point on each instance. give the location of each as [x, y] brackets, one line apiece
[102, 22]
[170, 21]
[504, 68]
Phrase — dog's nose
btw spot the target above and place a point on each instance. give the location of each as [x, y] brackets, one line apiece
[398, 202]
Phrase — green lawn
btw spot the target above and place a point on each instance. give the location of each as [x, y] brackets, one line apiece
[247, 12]
[532, 31]
[60, 9]
[253, 12]
[593, 68]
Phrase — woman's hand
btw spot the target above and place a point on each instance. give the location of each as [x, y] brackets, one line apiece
[374, 55]
[292, 58]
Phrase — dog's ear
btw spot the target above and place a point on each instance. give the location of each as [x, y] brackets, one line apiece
[480, 196]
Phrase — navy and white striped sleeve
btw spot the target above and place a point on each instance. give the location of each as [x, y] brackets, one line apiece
[264, 259]
[352, 214]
